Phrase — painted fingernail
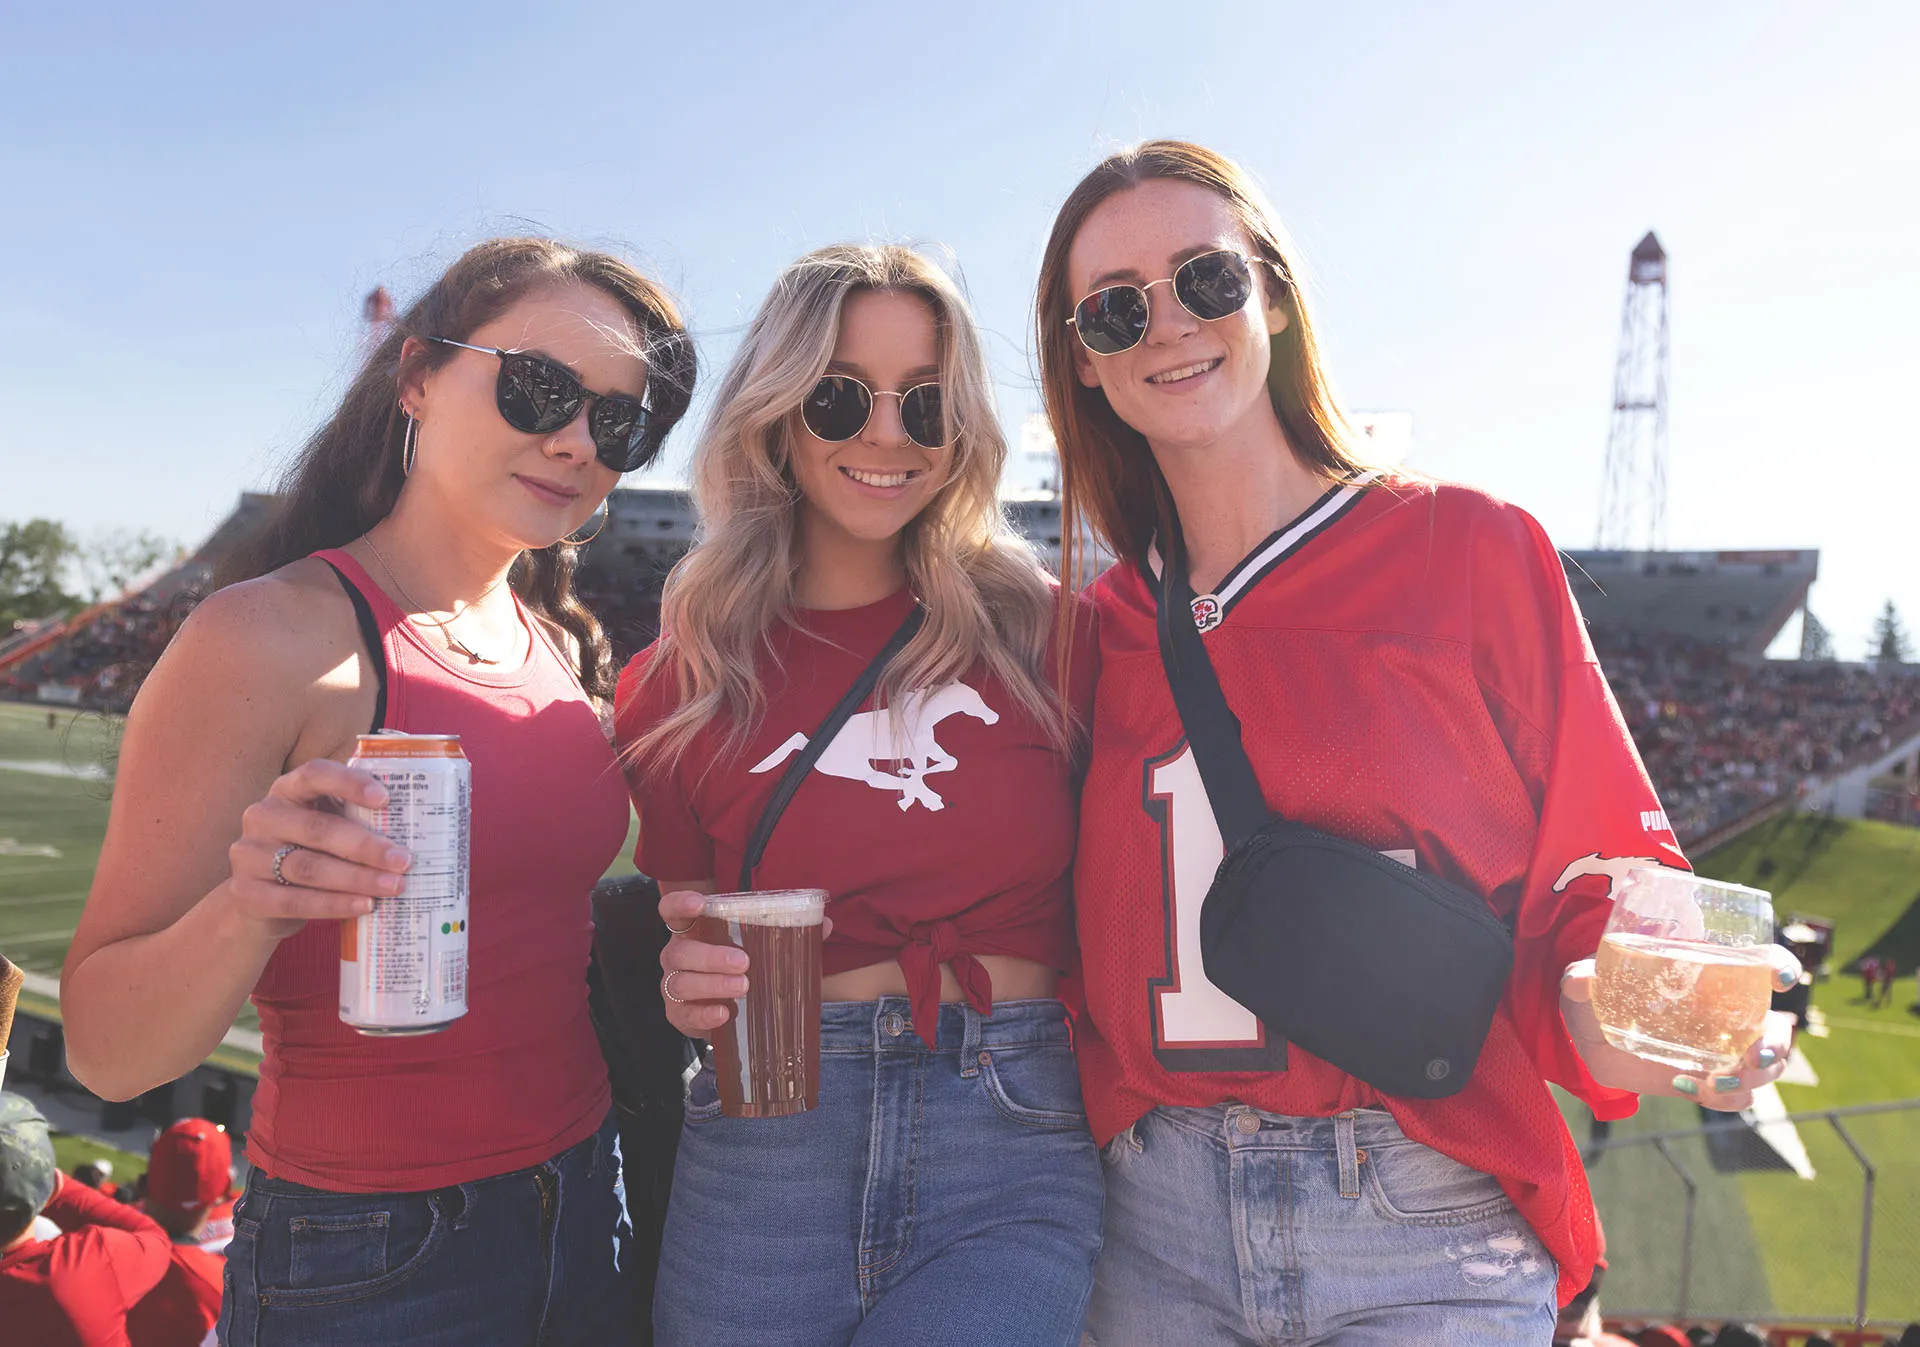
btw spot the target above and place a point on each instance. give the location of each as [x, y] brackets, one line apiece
[1786, 978]
[1686, 1085]
[1767, 1057]
[1726, 1084]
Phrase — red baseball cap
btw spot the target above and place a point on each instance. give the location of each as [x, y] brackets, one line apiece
[191, 1165]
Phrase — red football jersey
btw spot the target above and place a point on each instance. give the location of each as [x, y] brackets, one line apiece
[1409, 671]
[951, 840]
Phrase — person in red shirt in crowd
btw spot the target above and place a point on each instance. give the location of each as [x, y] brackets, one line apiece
[189, 1174]
[189, 1184]
[97, 1175]
[946, 1189]
[77, 1289]
[1409, 673]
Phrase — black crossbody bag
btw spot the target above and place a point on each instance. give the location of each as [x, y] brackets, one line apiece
[1389, 974]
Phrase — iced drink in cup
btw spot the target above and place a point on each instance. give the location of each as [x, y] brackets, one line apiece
[1683, 975]
[766, 1057]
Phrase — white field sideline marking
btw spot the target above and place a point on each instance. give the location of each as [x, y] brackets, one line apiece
[87, 772]
[1873, 1026]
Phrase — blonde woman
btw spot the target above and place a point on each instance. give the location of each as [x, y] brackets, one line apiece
[946, 1189]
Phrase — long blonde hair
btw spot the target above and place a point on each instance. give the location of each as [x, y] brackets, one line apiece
[1108, 478]
[987, 599]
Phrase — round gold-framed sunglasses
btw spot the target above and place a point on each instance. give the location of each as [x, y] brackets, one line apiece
[1211, 286]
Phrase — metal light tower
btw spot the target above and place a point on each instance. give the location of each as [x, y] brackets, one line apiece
[1636, 469]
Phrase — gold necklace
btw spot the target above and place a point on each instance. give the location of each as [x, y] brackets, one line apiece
[454, 643]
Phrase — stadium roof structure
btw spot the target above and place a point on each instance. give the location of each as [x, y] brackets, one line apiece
[1739, 600]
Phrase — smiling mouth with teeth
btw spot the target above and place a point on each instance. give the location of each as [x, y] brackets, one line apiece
[881, 478]
[1185, 372]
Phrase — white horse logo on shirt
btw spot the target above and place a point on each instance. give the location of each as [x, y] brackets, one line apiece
[864, 750]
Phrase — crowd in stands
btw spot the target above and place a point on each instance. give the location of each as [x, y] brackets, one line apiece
[84, 1262]
[1723, 738]
[107, 654]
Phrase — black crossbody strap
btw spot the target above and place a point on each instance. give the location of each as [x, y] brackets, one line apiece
[797, 770]
[1212, 729]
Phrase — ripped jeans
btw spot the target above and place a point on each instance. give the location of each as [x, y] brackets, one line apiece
[1227, 1225]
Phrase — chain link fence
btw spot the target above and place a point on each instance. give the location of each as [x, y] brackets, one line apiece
[1811, 1217]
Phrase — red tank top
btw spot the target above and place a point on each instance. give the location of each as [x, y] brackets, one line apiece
[519, 1077]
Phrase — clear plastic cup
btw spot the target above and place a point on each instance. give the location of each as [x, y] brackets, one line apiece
[1683, 976]
[766, 1057]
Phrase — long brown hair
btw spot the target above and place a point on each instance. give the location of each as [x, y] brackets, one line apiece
[986, 597]
[347, 477]
[1108, 479]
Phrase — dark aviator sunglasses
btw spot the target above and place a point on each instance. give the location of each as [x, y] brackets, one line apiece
[1210, 287]
[538, 397]
[840, 406]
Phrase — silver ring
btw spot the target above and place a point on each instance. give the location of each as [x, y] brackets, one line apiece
[679, 930]
[279, 857]
[666, 987]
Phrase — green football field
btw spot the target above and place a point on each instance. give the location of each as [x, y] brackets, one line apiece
[1765, 1241]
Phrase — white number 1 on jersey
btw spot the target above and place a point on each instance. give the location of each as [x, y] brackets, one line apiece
[1196, 1025]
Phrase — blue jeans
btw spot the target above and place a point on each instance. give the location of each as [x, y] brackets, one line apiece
[1230, 1225]
[934, 1196]
[526, 1259]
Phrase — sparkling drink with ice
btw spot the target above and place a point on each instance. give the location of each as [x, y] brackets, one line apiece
[1683, 975]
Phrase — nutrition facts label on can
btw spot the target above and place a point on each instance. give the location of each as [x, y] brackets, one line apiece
[404, 965]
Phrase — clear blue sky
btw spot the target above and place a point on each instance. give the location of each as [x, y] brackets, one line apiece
[194, 198]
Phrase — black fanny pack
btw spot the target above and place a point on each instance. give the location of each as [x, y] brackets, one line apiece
[1389, 974]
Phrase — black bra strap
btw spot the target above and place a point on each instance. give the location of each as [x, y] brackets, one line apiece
[376, 648]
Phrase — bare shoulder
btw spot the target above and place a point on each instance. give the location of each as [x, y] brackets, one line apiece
[285, 621]
[274, 647]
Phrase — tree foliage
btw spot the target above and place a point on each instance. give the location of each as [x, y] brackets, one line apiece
[1889, 643]
[33, 562]
[1816, 642]
[109, 562]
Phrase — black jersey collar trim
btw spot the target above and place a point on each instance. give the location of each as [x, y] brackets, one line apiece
[1282, 543]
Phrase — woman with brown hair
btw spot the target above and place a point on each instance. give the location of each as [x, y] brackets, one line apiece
[1404, 670]
[455, 1187]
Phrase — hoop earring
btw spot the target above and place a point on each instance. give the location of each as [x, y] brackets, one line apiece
[410, 446]
[605, 510]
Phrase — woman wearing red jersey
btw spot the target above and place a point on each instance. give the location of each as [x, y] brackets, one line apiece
[1409, 673]
[946, 1189]
[457, 1187]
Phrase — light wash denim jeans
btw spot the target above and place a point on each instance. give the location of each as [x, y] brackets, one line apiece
[526, 1259]
[935, 1196]
[1227, 1225]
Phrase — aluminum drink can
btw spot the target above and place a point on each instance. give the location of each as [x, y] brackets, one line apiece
[403, 966]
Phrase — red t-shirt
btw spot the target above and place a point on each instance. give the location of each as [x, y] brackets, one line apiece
[956, 840]
[75, 1290]
[1409, 671]
[179, 1311]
